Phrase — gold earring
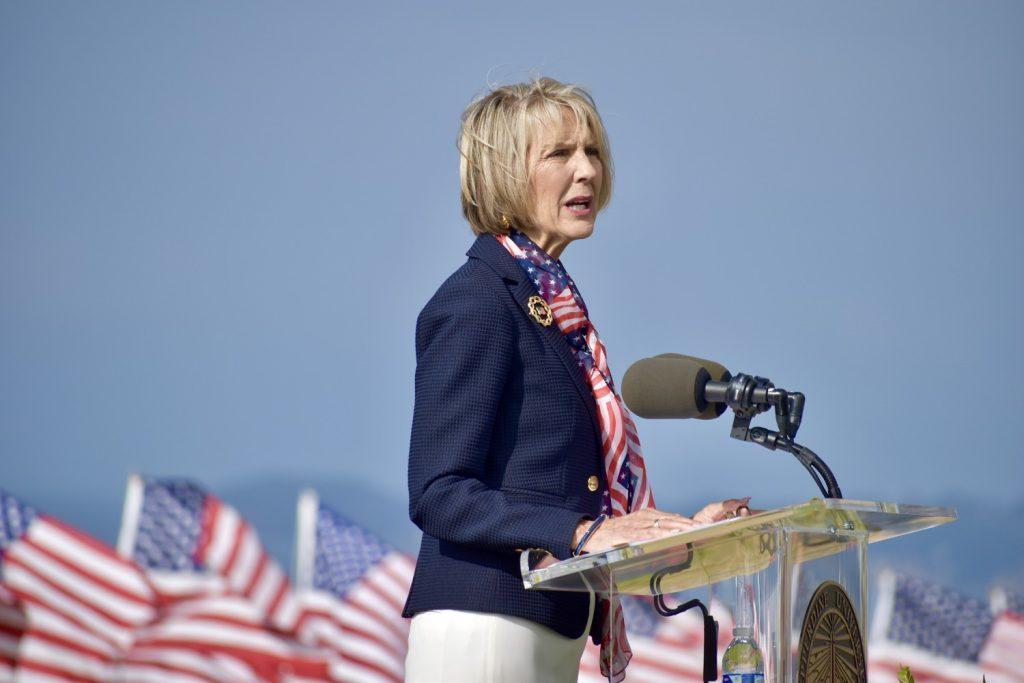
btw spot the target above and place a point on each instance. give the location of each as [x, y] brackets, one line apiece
[505, 221]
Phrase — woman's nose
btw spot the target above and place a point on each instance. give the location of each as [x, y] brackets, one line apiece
[584, 169]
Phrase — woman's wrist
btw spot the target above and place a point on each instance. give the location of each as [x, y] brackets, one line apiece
[588, 531]
[581, 528]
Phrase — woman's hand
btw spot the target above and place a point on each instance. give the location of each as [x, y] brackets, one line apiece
[651, 523]
[642, 525]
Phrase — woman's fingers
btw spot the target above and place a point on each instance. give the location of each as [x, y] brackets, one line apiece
[643, 525]
[659, 520]
[726, 509]
[668, 525]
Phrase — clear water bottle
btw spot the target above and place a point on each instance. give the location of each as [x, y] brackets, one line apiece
[742, 661]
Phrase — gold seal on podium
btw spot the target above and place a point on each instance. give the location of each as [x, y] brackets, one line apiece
[831, 649]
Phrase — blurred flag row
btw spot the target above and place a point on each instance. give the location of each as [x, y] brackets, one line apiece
[191, 595]
[942, 635]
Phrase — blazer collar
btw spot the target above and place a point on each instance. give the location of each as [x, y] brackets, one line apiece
[490, 251]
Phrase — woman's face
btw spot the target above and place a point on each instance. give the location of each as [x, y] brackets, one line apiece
[565, 178]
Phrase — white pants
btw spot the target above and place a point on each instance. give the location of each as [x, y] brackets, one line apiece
[452, 646]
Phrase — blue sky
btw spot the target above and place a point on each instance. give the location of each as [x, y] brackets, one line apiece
[219, 221]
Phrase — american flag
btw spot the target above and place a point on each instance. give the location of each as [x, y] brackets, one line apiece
[1004, 647]
[12, 625]
[943, 636]
[665, 649]
[351, 588]
[230, 612]
[69, 605]
[220, 639]
[192, 544]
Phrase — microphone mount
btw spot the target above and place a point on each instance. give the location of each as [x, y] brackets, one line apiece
[748, 396]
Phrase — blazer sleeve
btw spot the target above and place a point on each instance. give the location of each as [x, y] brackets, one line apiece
[464, 352]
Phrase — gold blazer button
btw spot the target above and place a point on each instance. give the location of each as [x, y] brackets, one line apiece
[592, 483]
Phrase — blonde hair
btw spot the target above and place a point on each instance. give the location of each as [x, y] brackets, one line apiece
[497, 130]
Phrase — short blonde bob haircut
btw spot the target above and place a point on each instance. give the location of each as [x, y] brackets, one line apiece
[497, 130]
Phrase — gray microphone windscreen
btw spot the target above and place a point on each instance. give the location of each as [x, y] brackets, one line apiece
[665, 387]
[718, 373]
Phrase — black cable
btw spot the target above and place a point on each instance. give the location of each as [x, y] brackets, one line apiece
[710, 625]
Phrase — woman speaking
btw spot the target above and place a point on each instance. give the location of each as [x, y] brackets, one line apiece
[519, 438]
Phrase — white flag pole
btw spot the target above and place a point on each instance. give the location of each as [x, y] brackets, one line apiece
[130, 513]
[305, 538]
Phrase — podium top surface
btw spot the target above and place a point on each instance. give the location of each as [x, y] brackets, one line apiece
[743, 545]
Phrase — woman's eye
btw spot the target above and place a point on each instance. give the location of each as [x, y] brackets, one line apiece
[593, 151]
[557, 153]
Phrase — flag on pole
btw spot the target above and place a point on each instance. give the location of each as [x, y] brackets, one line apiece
[229, 610]
[351, 588]
[70, 605]
[193, 544]
[943, 636]
[1004, 646]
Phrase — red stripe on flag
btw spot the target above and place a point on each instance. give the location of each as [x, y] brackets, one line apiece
[75, 646]
[236, 546]
[145, 663]
[49, 670]
[80, 570]
[32, 599]
[348, 629]
[207, 525]
[275, 604]
[261, 566]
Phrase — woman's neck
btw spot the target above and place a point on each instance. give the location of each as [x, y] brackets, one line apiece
[553, 246]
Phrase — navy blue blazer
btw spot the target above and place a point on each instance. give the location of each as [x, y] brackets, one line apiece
[504, 440]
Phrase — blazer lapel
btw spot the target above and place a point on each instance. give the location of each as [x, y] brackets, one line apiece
[489, 250]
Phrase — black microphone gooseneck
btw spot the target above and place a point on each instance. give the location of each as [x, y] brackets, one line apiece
[749, 396]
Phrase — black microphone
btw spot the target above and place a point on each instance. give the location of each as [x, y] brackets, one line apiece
[675, 386]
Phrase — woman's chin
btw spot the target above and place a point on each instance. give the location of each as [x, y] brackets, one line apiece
[583, 231]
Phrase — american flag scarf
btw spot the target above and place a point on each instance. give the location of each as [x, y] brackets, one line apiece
[629, 489]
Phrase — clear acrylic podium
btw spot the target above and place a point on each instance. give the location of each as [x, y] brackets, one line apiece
[792, 557]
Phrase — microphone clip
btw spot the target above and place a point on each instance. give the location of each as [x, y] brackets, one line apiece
[748, 396]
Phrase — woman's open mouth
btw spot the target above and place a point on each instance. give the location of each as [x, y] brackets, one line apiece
[580, 206]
